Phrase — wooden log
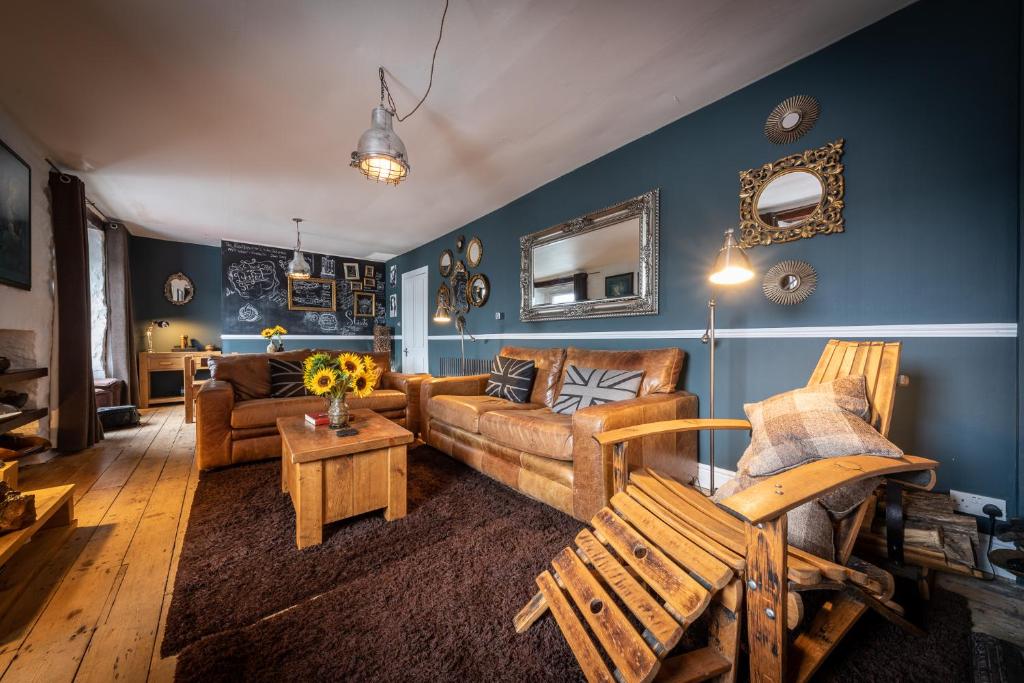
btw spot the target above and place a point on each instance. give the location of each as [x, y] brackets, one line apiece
[17, 509]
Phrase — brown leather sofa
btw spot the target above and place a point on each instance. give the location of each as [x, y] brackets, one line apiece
[552, 457]
[236, 416]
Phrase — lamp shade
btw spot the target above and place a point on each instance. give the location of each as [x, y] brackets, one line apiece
[298, 267]
[732, 265]
[380, 154]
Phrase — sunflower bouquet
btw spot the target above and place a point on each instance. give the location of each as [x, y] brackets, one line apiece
[333, 377]
[273, 336]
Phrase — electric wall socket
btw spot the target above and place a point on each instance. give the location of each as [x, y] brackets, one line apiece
[972, 503]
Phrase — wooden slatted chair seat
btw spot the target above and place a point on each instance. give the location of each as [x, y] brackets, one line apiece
[661, 554]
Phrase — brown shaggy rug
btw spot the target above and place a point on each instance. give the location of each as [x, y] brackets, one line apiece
[428, 597]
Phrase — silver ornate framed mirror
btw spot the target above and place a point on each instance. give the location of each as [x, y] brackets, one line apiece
[564, 268]
[797, 196]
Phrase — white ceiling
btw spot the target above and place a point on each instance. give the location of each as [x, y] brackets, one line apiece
[197, 120]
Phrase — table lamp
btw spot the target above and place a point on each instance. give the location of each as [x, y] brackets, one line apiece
[149, 332]
[732, 267]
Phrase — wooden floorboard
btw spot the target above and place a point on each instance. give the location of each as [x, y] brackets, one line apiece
[96, 609]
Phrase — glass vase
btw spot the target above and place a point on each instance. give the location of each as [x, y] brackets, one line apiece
[337, 411]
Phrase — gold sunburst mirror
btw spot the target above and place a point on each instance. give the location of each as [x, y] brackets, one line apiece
[789, 282]
[791, 119]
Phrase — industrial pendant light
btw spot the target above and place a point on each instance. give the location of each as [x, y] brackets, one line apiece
[380, 154]
[298, 268]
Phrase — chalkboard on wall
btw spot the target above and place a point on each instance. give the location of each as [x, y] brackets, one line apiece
[255, 293]
[313, 294]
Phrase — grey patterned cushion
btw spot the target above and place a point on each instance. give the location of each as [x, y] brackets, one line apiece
[821, 421]
[584, 387]
[511, 379]
[286, 378]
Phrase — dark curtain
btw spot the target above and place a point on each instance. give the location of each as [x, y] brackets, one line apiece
[579, 287]
[120, 324]
[78, 426]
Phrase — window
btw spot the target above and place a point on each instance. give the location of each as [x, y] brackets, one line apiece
[98, 302]
[566, 298]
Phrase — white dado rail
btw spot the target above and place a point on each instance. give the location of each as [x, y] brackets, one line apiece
[952, 330]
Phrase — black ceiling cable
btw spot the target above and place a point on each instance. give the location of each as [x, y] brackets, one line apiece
[386, 92]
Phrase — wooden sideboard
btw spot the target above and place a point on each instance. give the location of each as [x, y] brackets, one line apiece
[163, 361]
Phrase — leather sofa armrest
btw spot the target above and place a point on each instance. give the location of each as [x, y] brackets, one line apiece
[214, 402]
[592, 471]
[470, 385]
[409, 384]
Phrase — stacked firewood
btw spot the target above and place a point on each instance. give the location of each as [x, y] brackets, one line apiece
[17, 509]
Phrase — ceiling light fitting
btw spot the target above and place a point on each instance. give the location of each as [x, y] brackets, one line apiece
[380, 154]
[298, 268]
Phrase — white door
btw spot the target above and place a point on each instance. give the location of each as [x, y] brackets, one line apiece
[414, 321]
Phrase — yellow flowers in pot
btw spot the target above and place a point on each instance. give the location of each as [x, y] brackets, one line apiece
[273, 337]
[333, 376]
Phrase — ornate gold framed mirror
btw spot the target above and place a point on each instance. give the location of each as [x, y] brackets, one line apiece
[479, 290]
[797, 196]
[445, 263]
[475, 252]
[791, 119]
[789, 282]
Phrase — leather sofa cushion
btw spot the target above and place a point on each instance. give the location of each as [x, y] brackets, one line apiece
[381, 400]
[539, 431]
[249, 373]
[661, 367]
[464, 411]
[264, 412]
[549, 364]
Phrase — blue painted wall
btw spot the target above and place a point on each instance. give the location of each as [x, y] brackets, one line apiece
[928, 103]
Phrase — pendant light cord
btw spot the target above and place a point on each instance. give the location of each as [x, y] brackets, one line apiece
[385, 91]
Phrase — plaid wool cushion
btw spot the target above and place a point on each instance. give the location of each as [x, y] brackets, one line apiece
[822, 421]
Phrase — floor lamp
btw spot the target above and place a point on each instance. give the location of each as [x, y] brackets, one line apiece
[732, 267]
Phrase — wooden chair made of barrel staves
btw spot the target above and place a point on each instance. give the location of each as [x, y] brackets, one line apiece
[661, 553]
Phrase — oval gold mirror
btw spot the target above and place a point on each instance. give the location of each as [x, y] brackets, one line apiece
[479, 290]
[474, 252]
[446, 262]
[789, 199]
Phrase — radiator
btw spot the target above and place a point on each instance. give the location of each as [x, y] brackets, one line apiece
[452, 366]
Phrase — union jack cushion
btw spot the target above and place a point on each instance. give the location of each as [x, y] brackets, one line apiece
[511, 379]
[584, 387]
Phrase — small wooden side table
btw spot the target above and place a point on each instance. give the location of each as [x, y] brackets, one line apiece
[332, 477]
[163, 361]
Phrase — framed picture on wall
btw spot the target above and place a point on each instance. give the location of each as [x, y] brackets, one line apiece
[355, 286]
[364, 305]
[351, 271]
[369, 283]
[312, 294]
[618, 285]
[393, 275]
[368, 271]
[393, 306]
[15, 220]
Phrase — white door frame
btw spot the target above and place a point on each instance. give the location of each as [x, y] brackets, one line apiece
[424, 270]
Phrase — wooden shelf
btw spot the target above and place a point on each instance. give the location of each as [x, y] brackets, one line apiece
[23, 418]
[49, 502]
[22, 374]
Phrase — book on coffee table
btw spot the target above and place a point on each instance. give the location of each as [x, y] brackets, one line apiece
[317, 419]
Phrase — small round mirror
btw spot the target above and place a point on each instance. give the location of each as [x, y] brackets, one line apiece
[479, 290]
[445, 262]
[789, 282]
[790, 120]
[475, 252]
[789, 199]
[178, 289]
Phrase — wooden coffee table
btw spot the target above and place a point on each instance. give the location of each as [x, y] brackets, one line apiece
[332, 477]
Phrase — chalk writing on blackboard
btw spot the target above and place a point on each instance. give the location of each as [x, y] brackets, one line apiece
[253, 279]
[313, 294]
[248, 313]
